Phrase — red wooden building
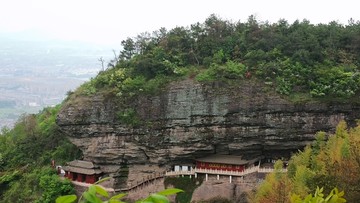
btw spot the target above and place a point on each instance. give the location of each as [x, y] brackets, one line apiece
[82, 171]
[224, 162]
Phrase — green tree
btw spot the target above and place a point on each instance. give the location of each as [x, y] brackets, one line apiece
[129, 49]
[52, 187]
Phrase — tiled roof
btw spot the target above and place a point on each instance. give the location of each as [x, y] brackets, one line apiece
[82, 164]
[83, 167]
[82, 170]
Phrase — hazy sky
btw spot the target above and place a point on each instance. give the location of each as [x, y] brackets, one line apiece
[110, 21]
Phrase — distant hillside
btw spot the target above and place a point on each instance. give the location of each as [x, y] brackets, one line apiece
[35, 73]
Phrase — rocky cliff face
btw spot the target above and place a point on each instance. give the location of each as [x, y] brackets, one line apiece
[189, 120]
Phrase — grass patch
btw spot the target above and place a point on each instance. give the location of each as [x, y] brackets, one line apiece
[129, 117]
[299, 97]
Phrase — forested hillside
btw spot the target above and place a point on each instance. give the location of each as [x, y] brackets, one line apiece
[299, 60]
[26, 152]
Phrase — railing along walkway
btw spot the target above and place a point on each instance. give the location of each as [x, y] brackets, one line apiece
[177, 173]
[89, 184]
[156, 176]
[270, 170]
[247, 171]
[141, 183]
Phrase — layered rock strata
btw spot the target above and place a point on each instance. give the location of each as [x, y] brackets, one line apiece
[189, 120]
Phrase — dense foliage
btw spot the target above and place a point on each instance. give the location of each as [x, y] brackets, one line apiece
[334, 197]
[26, 152]
[332, 163]
[316, 60]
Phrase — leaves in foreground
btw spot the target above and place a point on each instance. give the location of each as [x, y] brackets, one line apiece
[96, 192]
[334, 197]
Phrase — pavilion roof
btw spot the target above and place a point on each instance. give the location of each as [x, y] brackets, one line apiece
[82, 164]
[83, 167]
[82, 170]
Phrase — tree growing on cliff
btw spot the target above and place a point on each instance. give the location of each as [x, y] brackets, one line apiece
[129, 49]
[275, 188]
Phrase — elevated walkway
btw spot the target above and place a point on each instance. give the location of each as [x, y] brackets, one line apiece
[86, 185]
[254, 169]
[148, 180]
[151, 178]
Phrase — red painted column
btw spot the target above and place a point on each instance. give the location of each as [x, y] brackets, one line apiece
[79, 177]
[90, 179]
[70, 175]
[87, 178]
[75, 175]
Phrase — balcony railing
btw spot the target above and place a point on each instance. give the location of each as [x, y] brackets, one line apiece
[247, 171]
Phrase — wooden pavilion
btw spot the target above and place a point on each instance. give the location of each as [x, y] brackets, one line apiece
[224, 162]
[82, 171]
